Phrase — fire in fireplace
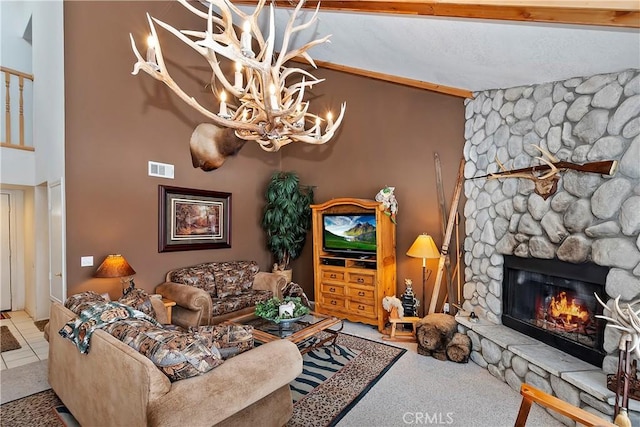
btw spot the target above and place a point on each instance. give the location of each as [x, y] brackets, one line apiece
[554, 302]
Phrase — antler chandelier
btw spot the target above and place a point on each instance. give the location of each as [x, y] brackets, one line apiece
[266, 102]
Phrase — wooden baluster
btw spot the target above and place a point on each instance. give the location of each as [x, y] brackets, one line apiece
[21, 86]
[7, 115]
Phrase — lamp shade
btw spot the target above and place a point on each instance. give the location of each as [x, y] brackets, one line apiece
[114, 266]
[424, 247]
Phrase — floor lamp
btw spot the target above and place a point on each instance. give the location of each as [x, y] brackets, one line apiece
[424, 247]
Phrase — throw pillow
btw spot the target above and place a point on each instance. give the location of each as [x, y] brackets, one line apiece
[97, 316]
[83, 300]
[140, 300]
[177, 354]
[229, 339]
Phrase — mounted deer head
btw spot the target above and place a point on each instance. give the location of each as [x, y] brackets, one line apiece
[264, 108]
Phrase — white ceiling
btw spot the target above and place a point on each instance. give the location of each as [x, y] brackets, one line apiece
[470, 54]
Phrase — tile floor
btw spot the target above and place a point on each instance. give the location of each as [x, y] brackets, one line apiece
[34, 346]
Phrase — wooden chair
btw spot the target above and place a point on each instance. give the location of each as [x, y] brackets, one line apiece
[531, 394]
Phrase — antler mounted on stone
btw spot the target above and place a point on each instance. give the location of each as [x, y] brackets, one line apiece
[268, 105]
[546, 183]
[625, 320]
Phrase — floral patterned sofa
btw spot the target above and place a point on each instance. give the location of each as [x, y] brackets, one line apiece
[111, 362]
[211, 292]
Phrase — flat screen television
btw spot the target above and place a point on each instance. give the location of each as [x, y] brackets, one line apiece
[349, 233]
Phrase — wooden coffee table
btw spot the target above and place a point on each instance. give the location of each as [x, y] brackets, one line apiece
[299, 332]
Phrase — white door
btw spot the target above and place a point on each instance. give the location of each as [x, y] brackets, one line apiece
[57, 272]
[5, 252]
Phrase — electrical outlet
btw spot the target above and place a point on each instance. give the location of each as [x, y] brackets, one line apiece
[86, 261]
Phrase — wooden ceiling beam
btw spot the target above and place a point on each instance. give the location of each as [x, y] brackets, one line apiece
[433, 87]
[600, 13]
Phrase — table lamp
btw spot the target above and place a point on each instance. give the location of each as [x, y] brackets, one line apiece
[424, 247]
[116, 266]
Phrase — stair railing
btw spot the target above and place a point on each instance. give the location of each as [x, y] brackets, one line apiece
[10, 76]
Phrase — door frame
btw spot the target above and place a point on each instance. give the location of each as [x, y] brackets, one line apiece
[62, 244]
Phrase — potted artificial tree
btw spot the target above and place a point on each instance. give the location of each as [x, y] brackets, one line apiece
[286, 219]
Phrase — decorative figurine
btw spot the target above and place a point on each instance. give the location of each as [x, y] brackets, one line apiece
[409, 302]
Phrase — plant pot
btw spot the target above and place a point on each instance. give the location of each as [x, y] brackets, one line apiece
[287, 274]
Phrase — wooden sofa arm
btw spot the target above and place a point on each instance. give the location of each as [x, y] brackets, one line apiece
[270, 282]
[531, 394]
[193, 305]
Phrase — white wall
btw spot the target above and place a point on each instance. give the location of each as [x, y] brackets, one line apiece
[44, 58]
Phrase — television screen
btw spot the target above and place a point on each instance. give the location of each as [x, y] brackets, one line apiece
[349, 233]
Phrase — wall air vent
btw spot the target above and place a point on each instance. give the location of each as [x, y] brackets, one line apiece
[161, 170]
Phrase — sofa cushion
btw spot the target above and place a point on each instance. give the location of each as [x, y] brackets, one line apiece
[140, 300]
[218, 279]
[96, 316]
[228, 338]
[177, 354]
[83, 300]
[200, 276]
[233, 303]
[233, 278]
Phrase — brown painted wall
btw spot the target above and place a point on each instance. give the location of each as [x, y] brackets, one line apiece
[389, 137]
[116, 123]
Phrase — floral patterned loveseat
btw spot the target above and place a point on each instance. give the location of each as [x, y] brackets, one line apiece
[211, 292]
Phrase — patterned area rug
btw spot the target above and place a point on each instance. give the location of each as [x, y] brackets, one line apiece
[332, 382]
[7, 341]
[40, 324]
[330, 401]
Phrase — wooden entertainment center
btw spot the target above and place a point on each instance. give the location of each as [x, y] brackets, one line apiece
[352, 287]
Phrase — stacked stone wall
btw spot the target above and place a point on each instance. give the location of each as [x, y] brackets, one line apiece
[590, 218]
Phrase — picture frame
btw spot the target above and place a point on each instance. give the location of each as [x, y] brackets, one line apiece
[191, 219]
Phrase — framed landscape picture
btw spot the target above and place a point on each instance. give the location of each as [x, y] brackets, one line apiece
[191, 219]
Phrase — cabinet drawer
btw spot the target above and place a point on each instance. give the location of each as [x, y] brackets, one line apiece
[329, 290]
[362, 308]
[333, 275]
[361, 279]
[361, 294]
[333, 303]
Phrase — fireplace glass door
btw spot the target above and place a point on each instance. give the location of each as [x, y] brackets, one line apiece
[555, 303]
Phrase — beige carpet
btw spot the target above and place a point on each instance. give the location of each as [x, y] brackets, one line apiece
[7, 341]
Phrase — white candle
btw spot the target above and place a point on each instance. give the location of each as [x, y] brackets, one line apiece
[329, 120]
[238, 76]
[244, 115]
[286, 309]
[245, 37]
[223, 104]
[318, 133]
[272, 97]
[151, 49]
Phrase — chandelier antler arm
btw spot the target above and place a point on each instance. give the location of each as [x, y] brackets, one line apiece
[291, 29]
[252, 19]
[159, 72]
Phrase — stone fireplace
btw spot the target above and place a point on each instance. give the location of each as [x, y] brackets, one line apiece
[590, 220]
[554, 302]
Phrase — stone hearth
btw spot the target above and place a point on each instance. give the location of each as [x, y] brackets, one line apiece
[591, 218]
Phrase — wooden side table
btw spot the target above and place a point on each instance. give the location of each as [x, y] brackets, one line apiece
[401, 335]
[168, 304]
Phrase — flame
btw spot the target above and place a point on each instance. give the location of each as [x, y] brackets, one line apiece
[561, 307]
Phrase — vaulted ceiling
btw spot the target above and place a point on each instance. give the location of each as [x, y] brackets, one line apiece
[466, 46]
